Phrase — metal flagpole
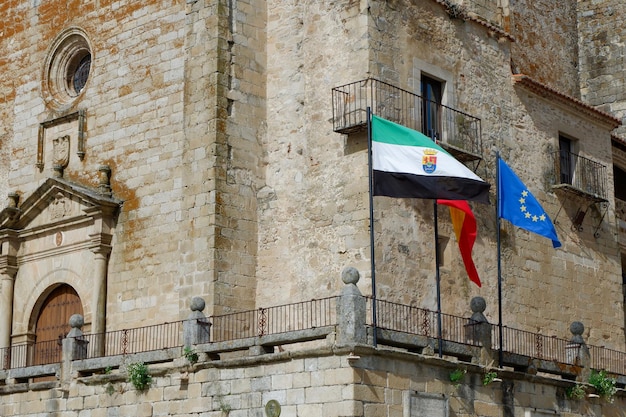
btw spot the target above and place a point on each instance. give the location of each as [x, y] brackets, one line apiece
[500, 359]
[371, 202]
[437, 279]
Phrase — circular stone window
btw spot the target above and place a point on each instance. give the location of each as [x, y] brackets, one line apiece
[67, 68]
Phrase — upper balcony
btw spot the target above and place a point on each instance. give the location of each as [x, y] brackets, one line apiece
[581, 176]
[457, 132]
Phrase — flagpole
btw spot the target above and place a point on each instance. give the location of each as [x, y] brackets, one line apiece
[371, 202]
[500, 359]
[437, 279]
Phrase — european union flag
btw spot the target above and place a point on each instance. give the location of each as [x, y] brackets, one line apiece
[517, 205]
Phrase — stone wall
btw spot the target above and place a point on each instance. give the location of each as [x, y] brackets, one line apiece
[546, 43]
[602, 55]
[311, 383]
[215, 118]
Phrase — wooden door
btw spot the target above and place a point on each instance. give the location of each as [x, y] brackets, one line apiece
[53, 324]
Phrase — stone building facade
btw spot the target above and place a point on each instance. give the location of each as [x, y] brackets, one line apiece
[158, 150]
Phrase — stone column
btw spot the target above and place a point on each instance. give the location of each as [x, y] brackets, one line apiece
[6, 302]
[351, 311]
[197, 328]
[99, 296]
[8, 270]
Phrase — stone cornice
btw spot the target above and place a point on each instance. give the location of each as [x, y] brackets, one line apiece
[565, 100]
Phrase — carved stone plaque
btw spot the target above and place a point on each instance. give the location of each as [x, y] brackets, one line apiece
[418, 404]
[59, 138]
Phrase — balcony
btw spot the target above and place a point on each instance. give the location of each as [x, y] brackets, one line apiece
[580, 176]
[457, 132]
[583, 179]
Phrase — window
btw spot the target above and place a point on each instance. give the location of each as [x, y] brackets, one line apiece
[80, 73]
[442, 245]
[431, 91]
[67, 68]
[566, 160]
[619, 179]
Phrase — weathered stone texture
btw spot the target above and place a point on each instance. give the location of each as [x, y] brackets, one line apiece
[602, 81]
[546, 43]
[215, 118]
[379, 385]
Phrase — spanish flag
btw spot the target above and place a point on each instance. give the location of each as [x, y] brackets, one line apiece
[464, 224]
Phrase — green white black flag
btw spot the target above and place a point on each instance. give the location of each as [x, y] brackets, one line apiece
[407, 164]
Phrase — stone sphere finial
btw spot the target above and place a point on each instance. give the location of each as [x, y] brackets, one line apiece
[197, 304]
[478, 304]
[76, 321]
[350, 275]
[577, 328]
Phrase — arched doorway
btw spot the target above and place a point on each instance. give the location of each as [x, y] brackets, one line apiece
[52, 324]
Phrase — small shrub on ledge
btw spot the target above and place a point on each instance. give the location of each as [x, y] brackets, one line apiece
[190, 354]
[456, 376]
[139, 376]
[604, 385]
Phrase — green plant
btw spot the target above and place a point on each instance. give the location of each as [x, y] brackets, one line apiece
[604, 385]
[575, 392]
[139, 376]
[190, 354]
[455, 11]
[456, 376]
[224, 407]
[108, 370]
[489, 377]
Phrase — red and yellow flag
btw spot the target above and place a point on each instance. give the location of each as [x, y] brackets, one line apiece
[464, 224]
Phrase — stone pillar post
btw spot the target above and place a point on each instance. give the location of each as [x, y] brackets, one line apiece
[578, 352]
[6, 305]
[351, 311]
[8, 271]
[478, 331]
[99, 296]
[197, 328]
[74, 346]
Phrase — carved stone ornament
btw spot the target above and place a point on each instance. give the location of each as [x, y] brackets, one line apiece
[61, 150]
[60, 207]
[58, 238]
[272, 408]
[78, 119]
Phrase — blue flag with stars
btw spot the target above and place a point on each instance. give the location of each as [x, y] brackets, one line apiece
[517, 205]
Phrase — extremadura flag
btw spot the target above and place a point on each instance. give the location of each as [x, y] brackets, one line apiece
[407, 164]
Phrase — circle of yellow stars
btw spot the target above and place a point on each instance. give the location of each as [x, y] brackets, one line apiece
[524, 209]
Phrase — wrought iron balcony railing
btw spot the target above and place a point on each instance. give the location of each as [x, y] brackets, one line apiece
[580, 175]
[456, 131]
[322, 313]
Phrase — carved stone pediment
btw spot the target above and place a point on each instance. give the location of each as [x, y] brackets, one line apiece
[64, 211]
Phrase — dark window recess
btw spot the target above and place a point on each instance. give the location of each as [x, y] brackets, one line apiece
[566, 160]
[619, 178]
[81, 74]
[431, 114]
